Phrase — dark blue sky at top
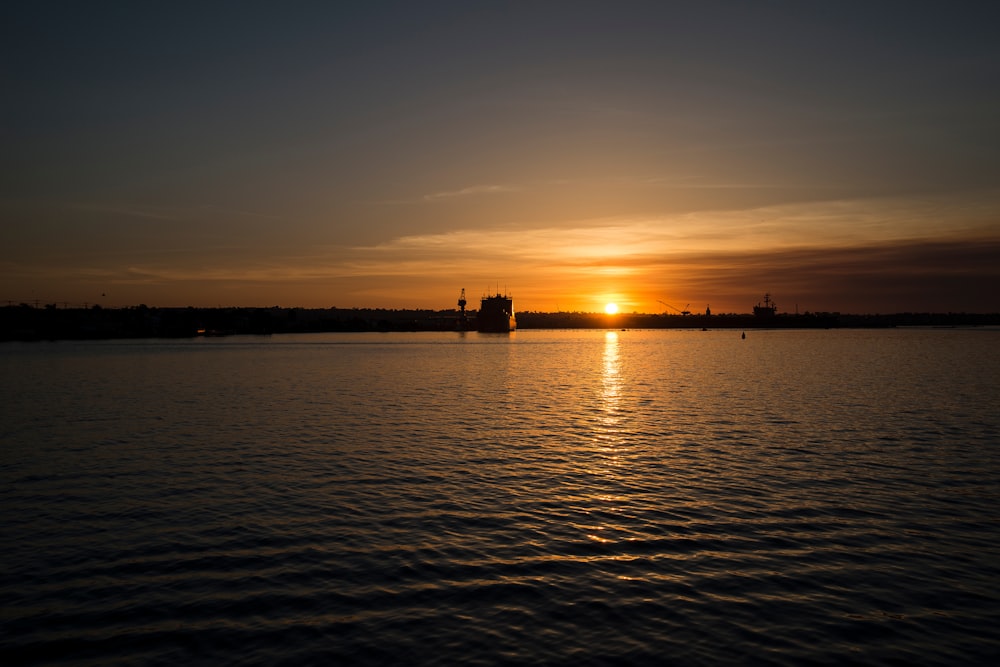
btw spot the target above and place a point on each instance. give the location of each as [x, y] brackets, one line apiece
[130, 80]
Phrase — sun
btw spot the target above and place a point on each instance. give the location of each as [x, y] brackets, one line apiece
[611, 308]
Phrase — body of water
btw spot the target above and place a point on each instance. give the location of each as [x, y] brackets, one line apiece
[544, 498]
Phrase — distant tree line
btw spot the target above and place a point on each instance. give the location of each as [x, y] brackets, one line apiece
[27, 322]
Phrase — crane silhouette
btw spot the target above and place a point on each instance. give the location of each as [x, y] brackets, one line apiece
[682, 312]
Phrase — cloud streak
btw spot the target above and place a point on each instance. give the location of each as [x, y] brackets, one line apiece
[472, 191]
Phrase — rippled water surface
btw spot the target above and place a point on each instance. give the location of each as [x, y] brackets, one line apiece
[552, 497]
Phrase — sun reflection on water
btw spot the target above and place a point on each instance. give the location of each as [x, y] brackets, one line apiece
[611, 386]
[605, 462]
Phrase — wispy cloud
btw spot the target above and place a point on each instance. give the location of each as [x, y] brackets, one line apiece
[838, 223]
[471, 191]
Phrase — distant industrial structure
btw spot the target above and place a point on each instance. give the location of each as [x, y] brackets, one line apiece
[496, 315]
[769, 309]
[685, 311]
[463, 320]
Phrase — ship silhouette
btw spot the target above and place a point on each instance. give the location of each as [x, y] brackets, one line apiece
[767, 310]
[496, 314]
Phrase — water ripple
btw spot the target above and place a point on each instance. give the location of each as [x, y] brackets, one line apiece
[556, 498]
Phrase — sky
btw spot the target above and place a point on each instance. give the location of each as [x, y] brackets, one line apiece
[841, 156]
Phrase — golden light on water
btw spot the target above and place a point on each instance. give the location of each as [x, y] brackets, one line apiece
[611, 390]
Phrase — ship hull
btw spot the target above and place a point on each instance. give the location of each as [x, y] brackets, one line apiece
[498, 327]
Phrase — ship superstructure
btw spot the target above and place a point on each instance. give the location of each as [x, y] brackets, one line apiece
[767, 310]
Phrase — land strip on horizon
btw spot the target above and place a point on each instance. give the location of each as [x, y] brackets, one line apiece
[27, 323]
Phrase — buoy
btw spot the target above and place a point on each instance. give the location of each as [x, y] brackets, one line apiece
[744, 336]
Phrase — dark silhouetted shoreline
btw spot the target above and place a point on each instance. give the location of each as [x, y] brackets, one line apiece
[27, 323]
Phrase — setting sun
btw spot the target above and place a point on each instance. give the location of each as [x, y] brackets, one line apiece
[611, 308]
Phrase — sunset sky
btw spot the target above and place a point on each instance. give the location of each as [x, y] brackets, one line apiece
[843, 156]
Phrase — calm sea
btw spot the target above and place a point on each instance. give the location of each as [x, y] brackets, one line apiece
[547, 498]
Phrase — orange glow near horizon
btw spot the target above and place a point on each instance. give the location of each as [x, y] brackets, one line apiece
[611, 308]
[577, 266]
